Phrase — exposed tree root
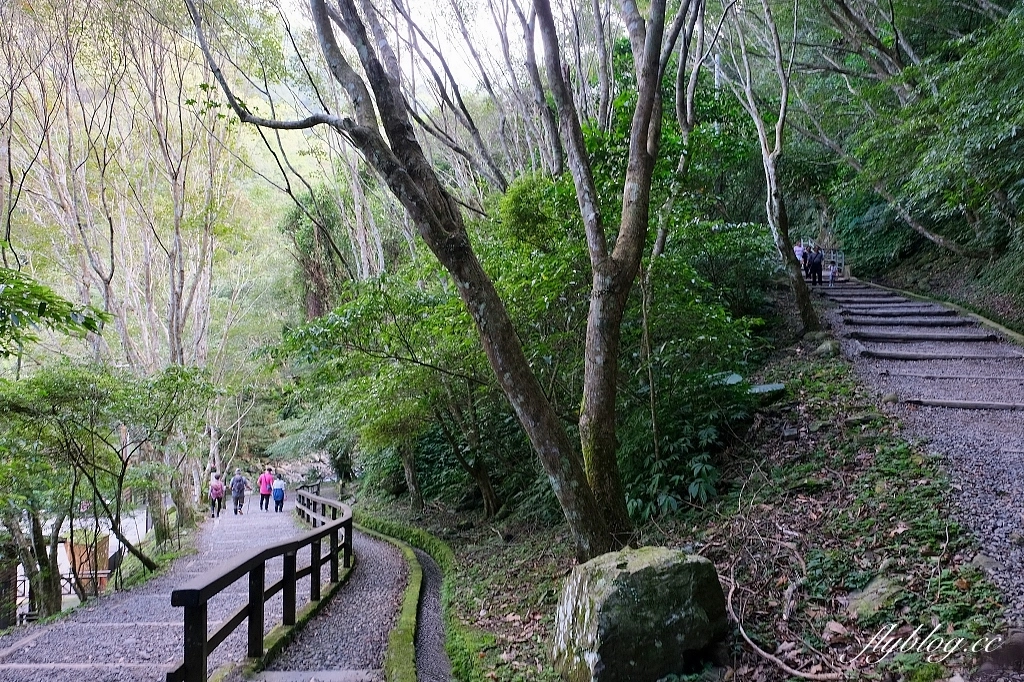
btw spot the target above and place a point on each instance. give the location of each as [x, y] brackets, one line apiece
[761, 652]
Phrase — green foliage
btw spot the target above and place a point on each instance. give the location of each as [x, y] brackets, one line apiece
[929, 672]
[953, 153]
[401, 350]
[529, 211]
[398, 361]
[26, 306]
[737, 261]
[91, 427]
[693, 338]
[316, 229]
[873, 238]
[317, 431]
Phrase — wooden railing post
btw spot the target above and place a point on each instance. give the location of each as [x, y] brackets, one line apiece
[194, 596]
[256, 610]
[288, 589]
[195, 643]
[314, 570]
[334, 556]
[348, 543]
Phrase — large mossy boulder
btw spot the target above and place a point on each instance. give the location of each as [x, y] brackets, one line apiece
[637, 616]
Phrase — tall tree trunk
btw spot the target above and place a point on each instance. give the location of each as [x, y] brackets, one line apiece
[613, 270]
[482, 478]
[40, 566]
[772, 146]
[158, 515]
[477, 469]
[411, 479]
[600, 391]
[186, 516]
[556, 153]
[402, 163]
[778, 221]
[155, 500]
[604, 72]
[46, 554]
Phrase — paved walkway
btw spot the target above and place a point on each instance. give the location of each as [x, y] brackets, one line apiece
[136, 635]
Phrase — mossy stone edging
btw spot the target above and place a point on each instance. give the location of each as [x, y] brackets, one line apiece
[461, 645]
[400, 656]
[282, 635]
[1006, 331]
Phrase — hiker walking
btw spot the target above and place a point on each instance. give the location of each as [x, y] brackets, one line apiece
[278, 489]
[239, 484]
[216, 496]
[816, 262]
[265, 482]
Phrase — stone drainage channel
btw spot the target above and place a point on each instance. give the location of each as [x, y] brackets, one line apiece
[136, 635]
[956, 382]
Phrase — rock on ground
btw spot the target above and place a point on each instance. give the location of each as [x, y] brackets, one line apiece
[637, 616]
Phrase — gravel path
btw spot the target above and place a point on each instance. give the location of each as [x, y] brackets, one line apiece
[136, 635]
[984, 448]
[351, 632]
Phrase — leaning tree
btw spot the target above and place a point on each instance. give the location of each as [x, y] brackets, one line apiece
[383, 127]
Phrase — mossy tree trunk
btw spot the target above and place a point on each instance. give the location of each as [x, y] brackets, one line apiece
[408, 455]
[38, 554]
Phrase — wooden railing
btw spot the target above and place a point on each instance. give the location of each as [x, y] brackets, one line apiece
[312, 487]
[329, 519]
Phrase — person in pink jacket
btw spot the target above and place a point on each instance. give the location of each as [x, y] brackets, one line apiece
[266, 483]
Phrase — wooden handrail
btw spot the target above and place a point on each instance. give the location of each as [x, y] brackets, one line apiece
[313, 487]
[329, 519]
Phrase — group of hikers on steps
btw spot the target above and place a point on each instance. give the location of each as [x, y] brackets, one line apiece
[271, 485]
[812, 260]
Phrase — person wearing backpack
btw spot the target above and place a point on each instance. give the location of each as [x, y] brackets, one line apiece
[216, 496]
[278, 491]
[239, 484]
[817, 260]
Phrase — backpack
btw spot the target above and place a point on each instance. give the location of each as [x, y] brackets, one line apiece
[278, 494]
[216, 490]
[238, 486]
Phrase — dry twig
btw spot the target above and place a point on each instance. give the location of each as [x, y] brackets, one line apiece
[764, 654]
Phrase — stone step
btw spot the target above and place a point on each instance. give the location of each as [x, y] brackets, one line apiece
[319, 676]
[909, 355]
[964, 404]
[893, 311]
[859, 297]
[909, 337]
[941, 321]
[955, 377]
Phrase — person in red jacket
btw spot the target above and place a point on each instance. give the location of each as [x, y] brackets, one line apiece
[266, 483]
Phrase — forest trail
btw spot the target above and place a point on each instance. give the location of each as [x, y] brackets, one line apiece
[136, 635]
[959, 386]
